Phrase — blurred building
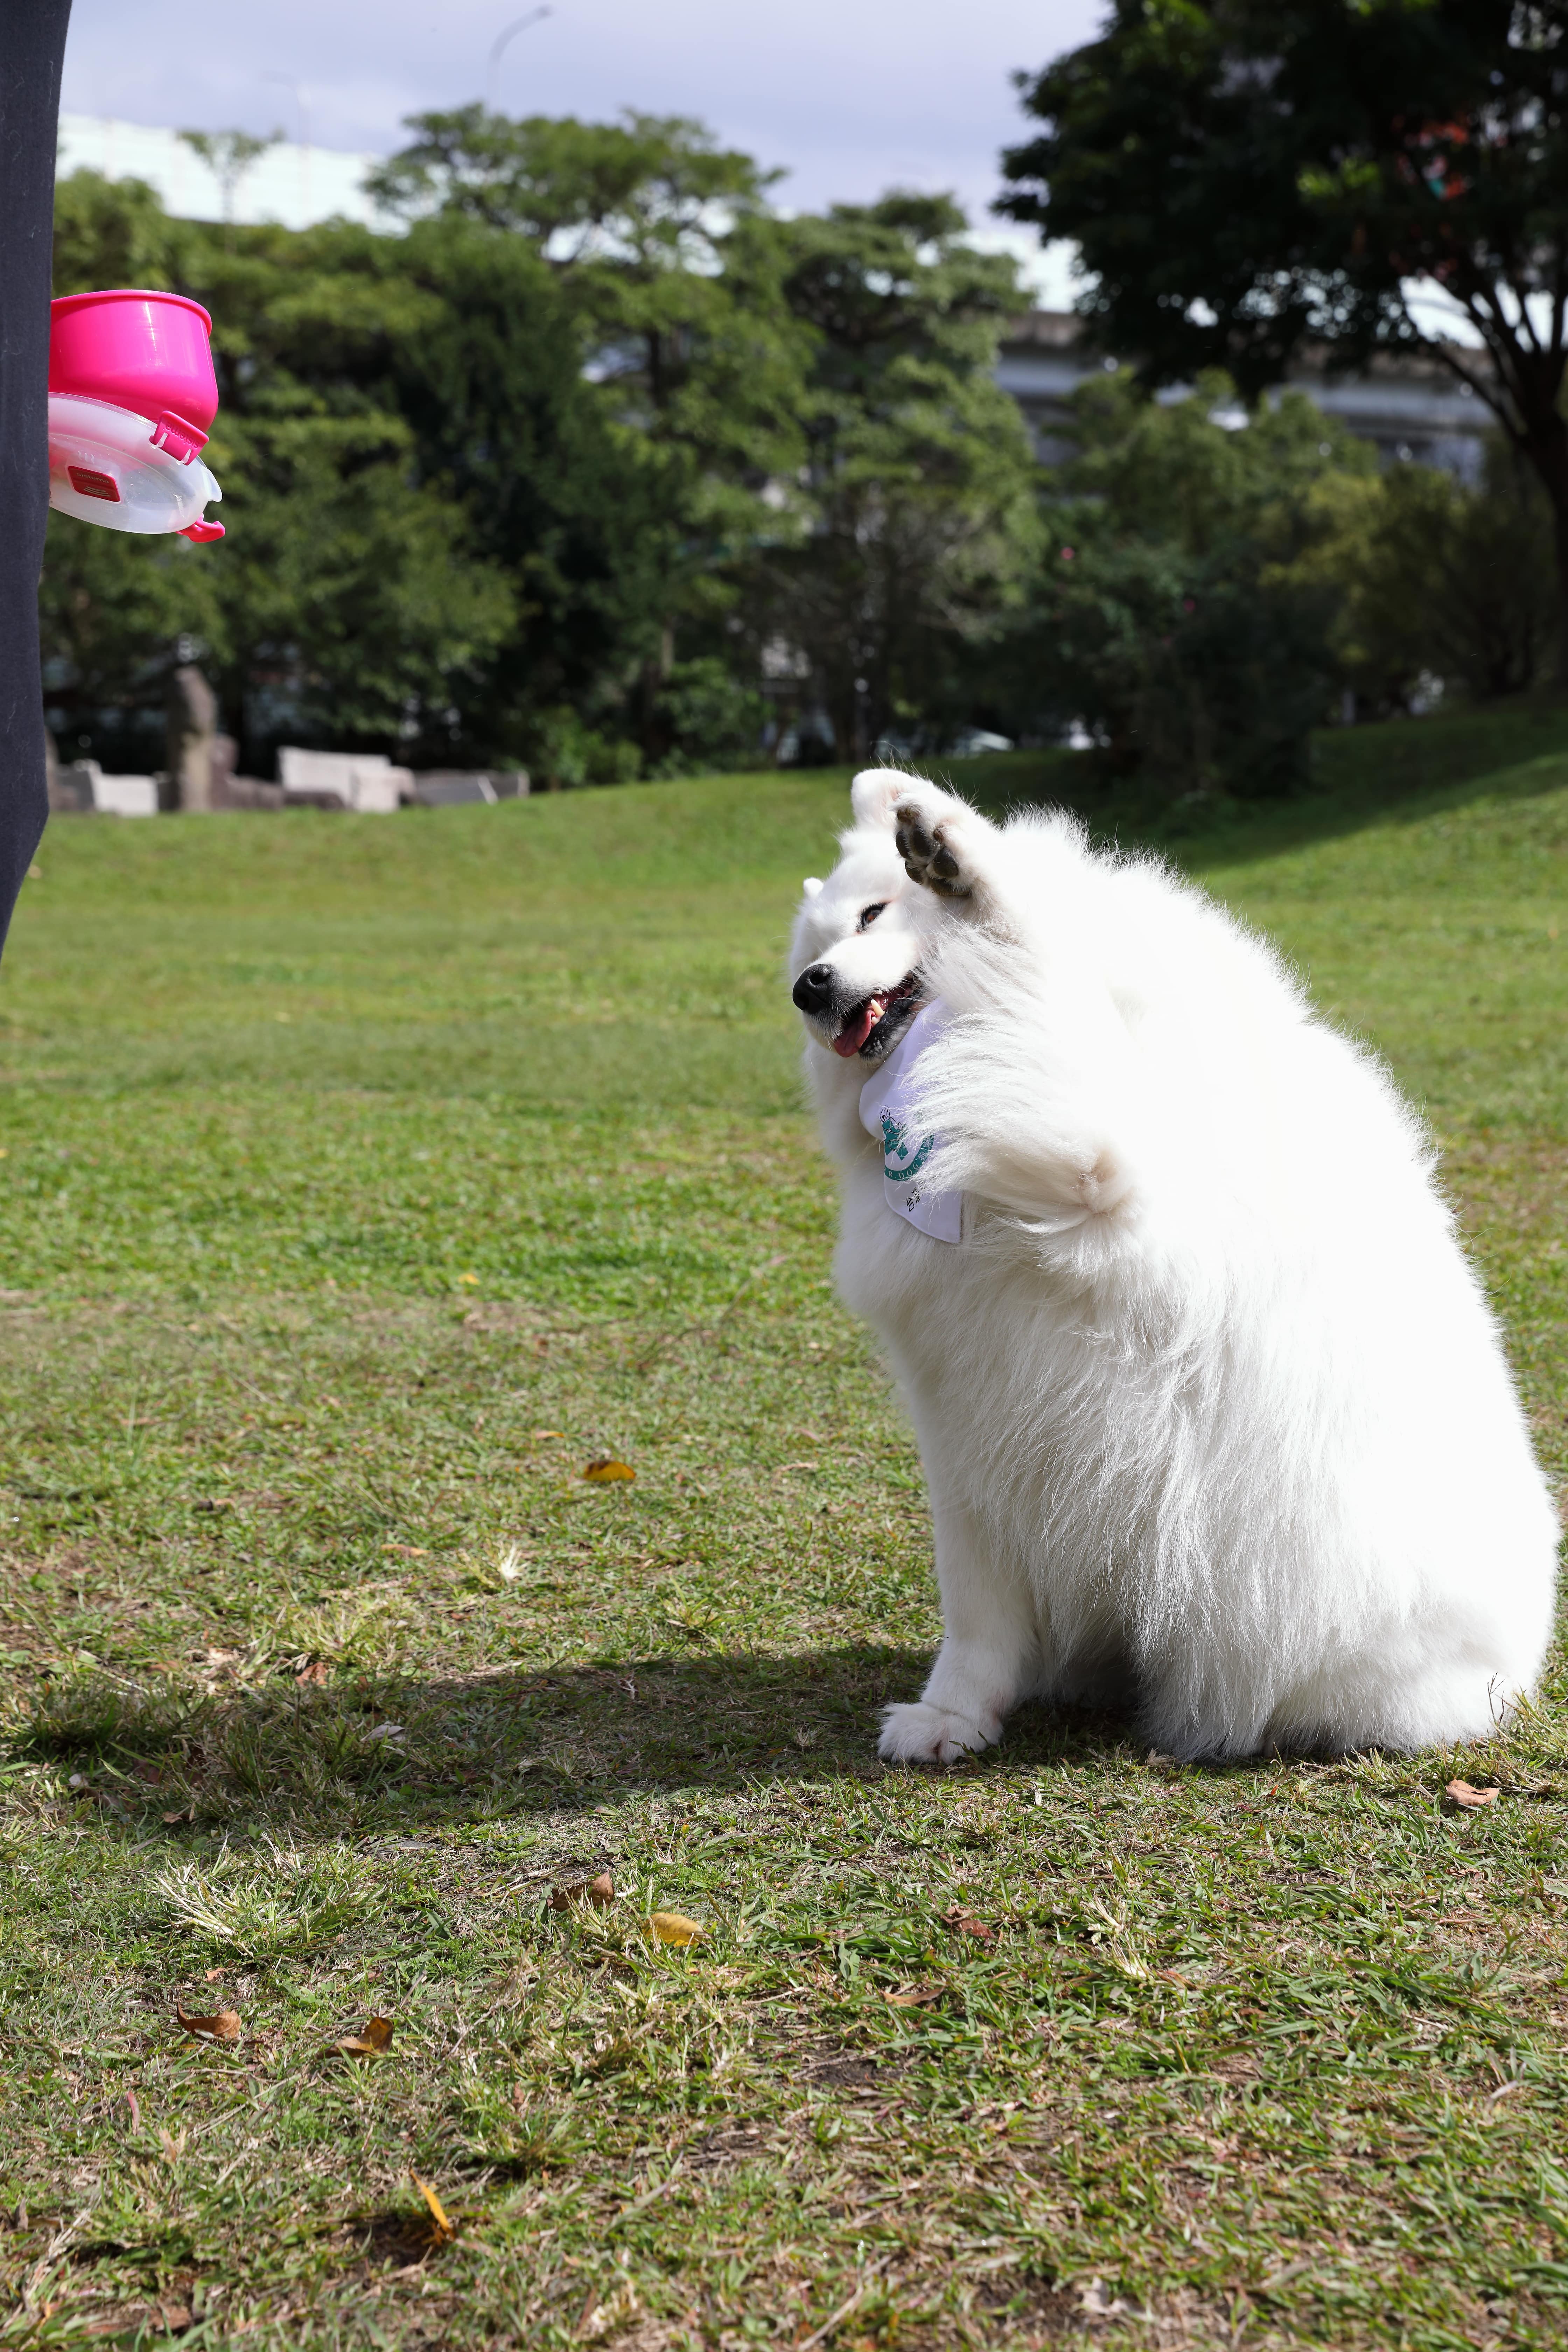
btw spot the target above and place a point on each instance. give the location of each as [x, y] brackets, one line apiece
[1411, 409]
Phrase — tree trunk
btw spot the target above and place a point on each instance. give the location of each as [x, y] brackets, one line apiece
[192, 728]
[1560, 538]
[653, 733]
[1524, 396]
[841, 702]
[1544, 442]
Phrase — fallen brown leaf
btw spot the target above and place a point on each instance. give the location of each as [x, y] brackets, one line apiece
[373, 2041]
[437, 2212]
[1469, 1799]
[406, 1551]
[965, 1922]
[222, 2026]
[916, 1997]
[603, 1466]
[318, 1670]
[185, 1813]
[600, 1891]
[675, 1927]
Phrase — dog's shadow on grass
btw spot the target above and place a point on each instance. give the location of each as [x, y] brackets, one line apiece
[386, 1750]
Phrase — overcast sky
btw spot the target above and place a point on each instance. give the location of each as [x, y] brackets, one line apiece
[850, 96]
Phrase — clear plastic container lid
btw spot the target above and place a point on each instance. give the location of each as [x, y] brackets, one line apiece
[122, 471]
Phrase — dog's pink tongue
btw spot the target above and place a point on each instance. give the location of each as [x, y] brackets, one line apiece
[850, 1038]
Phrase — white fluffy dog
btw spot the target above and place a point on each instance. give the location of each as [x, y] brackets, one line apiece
[1207, 1398]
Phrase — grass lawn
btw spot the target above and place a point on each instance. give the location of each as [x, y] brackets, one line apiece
[361, 1182]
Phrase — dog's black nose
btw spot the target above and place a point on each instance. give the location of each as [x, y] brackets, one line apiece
[814, 990]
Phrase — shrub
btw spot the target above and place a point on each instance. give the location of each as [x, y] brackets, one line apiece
[1167, 619]
[1435, 579]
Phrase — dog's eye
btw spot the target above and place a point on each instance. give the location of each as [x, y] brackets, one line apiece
[869, 914]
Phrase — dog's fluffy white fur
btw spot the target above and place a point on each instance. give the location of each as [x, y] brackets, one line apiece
[1208, 1400]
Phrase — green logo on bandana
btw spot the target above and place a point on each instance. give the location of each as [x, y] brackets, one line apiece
[900, 1160]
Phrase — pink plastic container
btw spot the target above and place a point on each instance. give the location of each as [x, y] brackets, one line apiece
[148, 352]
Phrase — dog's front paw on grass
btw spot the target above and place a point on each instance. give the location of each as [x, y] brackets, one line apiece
[918, 1734]
[929, 833]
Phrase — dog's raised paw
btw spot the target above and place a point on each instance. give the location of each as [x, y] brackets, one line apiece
[926, 842]
[918, 1734]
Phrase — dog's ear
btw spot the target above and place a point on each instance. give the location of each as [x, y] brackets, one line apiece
[811, 886]
[874, 795]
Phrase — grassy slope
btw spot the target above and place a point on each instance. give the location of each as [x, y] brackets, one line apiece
[361, 1183]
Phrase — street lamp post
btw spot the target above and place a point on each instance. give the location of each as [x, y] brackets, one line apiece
[498, 50]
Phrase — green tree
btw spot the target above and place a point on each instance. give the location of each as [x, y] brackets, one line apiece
[663, 248]
[918, 483]
[1434, 579]
[1241, 175]
[111, 233]
[1168, 616]
[113, 611]
[228, 156]
[420, 399]
[425, 512]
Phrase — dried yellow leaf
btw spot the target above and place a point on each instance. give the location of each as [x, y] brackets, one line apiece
[222, 2026]
[438, 2212]
[374, 2041]
[603, 1466]
[916, 1997]
[599, 1891]
[674, 1928]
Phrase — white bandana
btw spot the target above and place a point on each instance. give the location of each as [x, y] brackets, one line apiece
[909, 1154]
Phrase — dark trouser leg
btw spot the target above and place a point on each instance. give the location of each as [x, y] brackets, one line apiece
[32, 46]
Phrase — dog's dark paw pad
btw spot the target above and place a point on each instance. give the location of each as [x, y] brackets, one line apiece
[928, 855]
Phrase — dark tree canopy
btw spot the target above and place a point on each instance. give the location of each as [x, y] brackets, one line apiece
[1242, 176]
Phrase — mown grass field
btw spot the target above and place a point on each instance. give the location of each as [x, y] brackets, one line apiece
[361, 1180]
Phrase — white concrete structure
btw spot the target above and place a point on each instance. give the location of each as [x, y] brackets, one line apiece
[83, 786]
[125, 795]
[290, 185]
[362, 781]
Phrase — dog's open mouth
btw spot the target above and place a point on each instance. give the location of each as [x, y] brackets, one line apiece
[872, 1024]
